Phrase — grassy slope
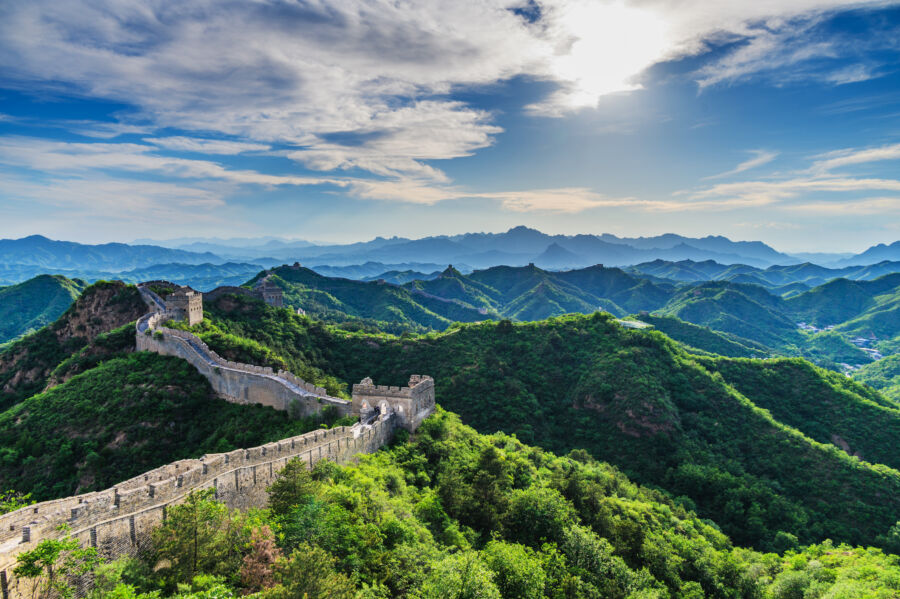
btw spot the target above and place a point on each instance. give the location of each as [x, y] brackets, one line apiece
[35, 303]
[123, 417]
[634, 399]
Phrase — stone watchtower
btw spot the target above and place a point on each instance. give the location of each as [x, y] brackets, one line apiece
[411, 404]
[269, 292]
[185, 304]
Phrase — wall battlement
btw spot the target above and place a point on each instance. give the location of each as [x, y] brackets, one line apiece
[118, 520]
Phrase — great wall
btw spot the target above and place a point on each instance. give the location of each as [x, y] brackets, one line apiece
[118, 521]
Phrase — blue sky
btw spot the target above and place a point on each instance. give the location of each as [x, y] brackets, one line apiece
[343, 120]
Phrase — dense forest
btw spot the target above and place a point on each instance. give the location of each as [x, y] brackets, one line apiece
[636, 399]
[451, 513]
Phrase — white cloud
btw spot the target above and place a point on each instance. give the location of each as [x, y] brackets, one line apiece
[205, 146]
[852, 156]
[79, 158]
[760, 157]
[843, 207]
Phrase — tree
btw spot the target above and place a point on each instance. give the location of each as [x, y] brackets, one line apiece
[518, 573]
[309, 573]
[257, 572]
[54, 563]
[292, 486]
[460, 576]
[199, 536]
[536, 515]
[11, 500]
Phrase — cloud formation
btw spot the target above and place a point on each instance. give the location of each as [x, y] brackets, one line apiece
[365, 85]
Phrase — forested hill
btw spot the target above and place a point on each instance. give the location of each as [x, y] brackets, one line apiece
[841, 325]
[35, 303]
[26, 365]
[637, 400]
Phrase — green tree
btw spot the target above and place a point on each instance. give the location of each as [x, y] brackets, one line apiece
[536, 515]
[309, 573]
[518, 572]
[460, 576]
[199, 536]
[11, 500]
[54, 564]
[292, 486]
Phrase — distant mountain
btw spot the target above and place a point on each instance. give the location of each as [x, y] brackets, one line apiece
[521, 245]
[755, 251]
[875, 254]
[773, 277]
[370, 270]
[740, 318]
[823, 258]
[401, 277]
[392, 307]
[35, 303]
[558, 257]
[743, 310]
[51, 255]
[202, 277]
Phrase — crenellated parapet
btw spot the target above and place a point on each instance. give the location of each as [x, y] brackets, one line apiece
[118, 521]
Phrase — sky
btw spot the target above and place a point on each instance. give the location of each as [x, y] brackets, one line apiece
[342, 120]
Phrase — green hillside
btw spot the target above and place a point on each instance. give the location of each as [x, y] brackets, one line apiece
[35, 303]
[859, 420]
[759, 320]
[841, 300]
[389, 306]
[704, 338]
[743, 310]
[450, 513]
[635, 399]
[26, 364]
[883, 375]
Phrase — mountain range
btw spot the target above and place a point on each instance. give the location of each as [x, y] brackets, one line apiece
[24, 258]
[522, 245]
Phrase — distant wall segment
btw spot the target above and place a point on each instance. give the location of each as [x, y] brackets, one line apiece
[234, 381]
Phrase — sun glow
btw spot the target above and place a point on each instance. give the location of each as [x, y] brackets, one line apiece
[611, 43]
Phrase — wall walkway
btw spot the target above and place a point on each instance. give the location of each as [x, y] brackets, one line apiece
[233, 381]
[118, 521]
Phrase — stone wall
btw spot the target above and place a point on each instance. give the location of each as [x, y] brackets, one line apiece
[118, 521]
[234, 381]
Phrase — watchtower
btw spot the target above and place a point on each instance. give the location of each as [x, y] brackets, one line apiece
[411, 404]
[269, 292]
[185, 304]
